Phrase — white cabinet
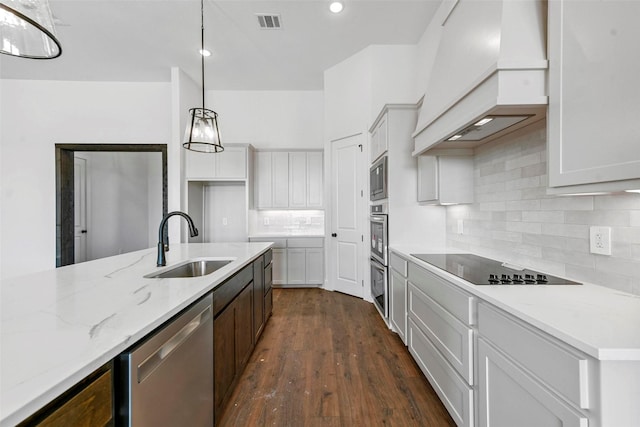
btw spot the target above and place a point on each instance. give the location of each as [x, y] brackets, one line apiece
[231, 164]
[315, 179]
[592, 136]
[440, 338]
[297, 180]
[444, 180]
[548, 380]
[379, 139]
[289, 180]
[297, 261]
[398, 295]
[279, 269]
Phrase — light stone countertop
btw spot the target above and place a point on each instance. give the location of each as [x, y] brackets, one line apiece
[285, 235]
[58, 326]
[602, 322]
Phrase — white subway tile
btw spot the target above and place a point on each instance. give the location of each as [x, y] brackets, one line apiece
[607, 264]
[568, 257]
[492, 206]
[507, 236]
[525, 227]
[527, 160]
[571, 203]
[566, 230]
[627, 201]
[543, 216]
[544, 241]
[522, 205]
[609, 218]
[529, 182]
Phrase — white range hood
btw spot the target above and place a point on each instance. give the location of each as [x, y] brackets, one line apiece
[490, 64]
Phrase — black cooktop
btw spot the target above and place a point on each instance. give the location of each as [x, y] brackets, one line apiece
[485, 271]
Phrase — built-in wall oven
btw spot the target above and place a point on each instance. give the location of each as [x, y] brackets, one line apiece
[378, 180]
[379, 242]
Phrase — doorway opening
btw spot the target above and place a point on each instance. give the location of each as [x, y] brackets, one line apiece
[67, 182]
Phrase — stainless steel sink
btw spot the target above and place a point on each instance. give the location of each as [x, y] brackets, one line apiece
[195, 268]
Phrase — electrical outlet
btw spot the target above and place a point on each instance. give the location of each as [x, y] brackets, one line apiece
[460, 226]
[265, 221]
[224, 221]
[600, 240]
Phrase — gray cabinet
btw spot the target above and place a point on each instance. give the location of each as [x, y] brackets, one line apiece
[289, 180]
[445, 180]
[593, 92]
[296, 261]
[548, 380]
[440, 338]
[398, 295]
[230, 164]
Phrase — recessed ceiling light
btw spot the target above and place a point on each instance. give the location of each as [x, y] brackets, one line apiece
[454, 137]
[336, 7]
[205, 52]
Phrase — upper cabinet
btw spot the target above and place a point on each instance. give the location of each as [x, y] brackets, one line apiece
[593, 142]
[289, 180]
[231, 164]
[379, 139]
[445, 180]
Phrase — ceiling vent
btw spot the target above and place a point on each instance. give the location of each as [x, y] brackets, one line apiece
[268, 21]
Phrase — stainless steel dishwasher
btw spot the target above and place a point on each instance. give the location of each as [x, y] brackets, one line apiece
[168, 379]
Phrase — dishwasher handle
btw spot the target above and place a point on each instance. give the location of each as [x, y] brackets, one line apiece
[147, 366]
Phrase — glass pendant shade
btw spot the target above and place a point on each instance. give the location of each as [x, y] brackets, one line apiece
[202, 133]
[27, 30]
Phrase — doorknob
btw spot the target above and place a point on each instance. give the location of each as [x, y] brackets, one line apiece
[334, 234]
[83, 231]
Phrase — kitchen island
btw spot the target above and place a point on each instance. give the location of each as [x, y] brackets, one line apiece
[61, 325]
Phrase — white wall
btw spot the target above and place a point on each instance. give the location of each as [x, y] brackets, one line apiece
[269, 119]
[124, 201]
[38, 114]
[514, 220]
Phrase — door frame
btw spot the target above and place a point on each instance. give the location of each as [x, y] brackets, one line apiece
[65, 189]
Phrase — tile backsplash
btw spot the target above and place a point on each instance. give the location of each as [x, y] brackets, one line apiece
[513, 218]
[286, 222]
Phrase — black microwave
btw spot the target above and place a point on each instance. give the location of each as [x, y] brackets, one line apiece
[378, 179]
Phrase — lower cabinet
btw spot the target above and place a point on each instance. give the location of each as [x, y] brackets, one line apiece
[241, 307]
[297, 261]
[508, 396]
[398, 295]
[89, 403]
[548, 379]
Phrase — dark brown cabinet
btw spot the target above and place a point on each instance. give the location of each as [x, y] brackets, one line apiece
[258, 297]
[232, 334]
[87, 404]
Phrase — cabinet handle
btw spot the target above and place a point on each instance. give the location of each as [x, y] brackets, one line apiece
[334, 234]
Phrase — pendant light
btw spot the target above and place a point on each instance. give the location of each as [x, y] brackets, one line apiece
[202, 132]
[27, 30]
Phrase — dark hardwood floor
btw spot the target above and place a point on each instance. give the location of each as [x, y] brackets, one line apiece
[328, 359]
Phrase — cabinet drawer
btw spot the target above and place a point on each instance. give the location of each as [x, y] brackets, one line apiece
[455, 394]
[398, 264]
[453, 338]
[311, 242]
[226, 292]
[268, 256]
[457, 302]
[560, 368]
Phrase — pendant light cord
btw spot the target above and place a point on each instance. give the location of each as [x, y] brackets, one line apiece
[202, 45]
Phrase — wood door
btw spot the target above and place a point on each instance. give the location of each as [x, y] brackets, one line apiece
[80, 209]
[347, 216]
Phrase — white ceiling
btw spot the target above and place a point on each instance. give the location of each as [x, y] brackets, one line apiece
[140, 40]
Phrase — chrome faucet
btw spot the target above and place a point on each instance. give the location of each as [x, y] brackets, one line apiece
[193, 231]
